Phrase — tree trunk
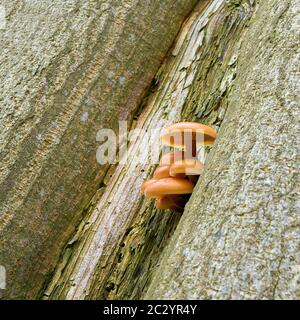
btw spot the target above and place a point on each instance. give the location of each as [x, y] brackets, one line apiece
[68, 69]
[119, 243]
[239, 236]
[233, 66]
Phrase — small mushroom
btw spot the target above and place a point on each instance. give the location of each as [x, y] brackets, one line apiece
[168, 186]
[169, 158]
[162, 172]
[146, 183]
[173, 181]
[174, 135]
[188, 167]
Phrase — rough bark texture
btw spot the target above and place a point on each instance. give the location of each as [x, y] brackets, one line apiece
[239, 235]
[67, 69]
[117, 246]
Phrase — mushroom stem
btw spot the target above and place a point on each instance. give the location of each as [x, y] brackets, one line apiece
[190, 146]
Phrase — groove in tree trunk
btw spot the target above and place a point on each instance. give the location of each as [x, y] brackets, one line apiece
[67, 69]
[118, 245]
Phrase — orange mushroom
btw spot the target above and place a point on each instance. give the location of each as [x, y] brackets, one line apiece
[168, 186]
[169, 158]
[146, 183]
[173, 181]
[176, 134]
[187, 167]
[162, 172]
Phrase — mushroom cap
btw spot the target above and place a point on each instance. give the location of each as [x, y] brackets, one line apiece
[161, 172]
[168, 186]
[187, 167]
[146, 183]
[169, 158]
[201, 134]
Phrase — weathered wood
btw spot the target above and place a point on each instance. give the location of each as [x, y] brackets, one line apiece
[67, 69]
[239, 237]
[119, 243]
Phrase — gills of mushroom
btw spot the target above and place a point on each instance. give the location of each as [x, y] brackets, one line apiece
[188, 135]
[168, 186]
[173, 202]
[189, 167]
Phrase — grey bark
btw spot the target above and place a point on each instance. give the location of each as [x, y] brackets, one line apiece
[117, 245]
[239, 235]
[67, 69]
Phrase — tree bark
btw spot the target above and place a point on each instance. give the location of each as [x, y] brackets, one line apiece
[233, 67]
[118, 245]
[239, 235]
[68, 69]
[235, 70]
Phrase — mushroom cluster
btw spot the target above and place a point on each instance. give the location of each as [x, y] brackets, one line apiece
[178, 171]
